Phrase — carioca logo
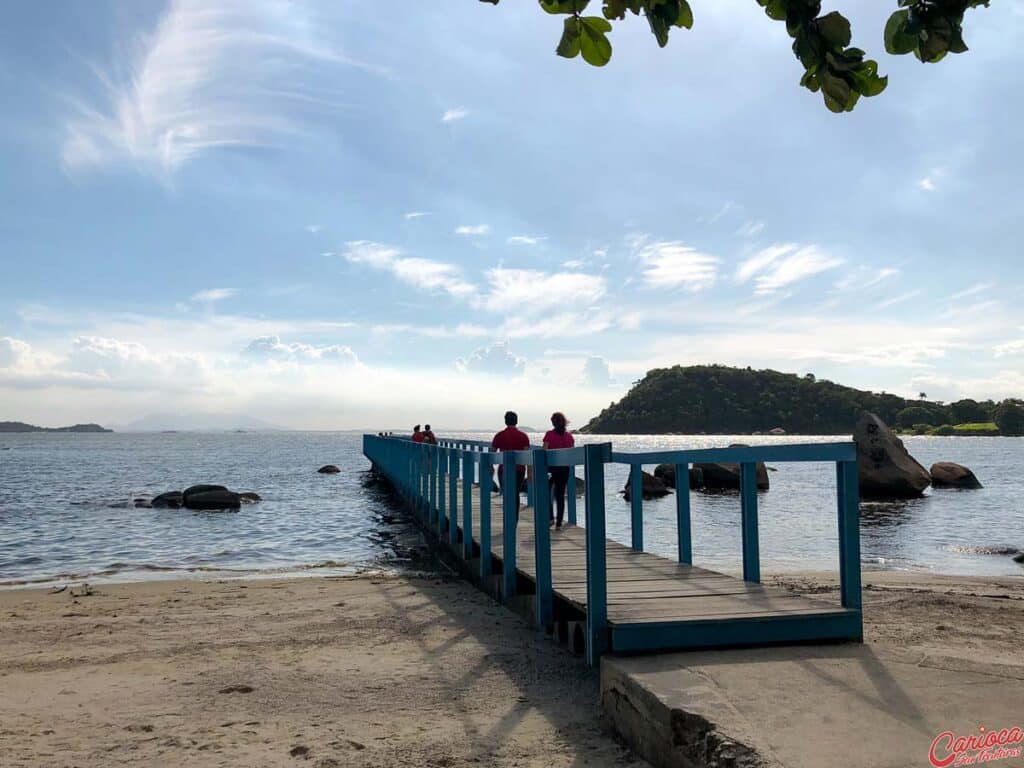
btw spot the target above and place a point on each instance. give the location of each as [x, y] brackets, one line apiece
[948, 749]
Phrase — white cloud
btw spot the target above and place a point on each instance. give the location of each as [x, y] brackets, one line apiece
[314, 228]
[926, 184]
[211, 295]
[971, 291]
[562, 325]
[782, 265]
[422, 273]
[573, 264]
[467, 230]
[1006, 349]
[272, 348]
[863, 278]
[451, 115]
[525, 240]
[208, 77]
[900, 299]
[462, 330]
[416, 214]
[725, 209]
[596, 372]
[930, 182]
[528, 291]
[12, 351]
[751, 229]
[675, 265]
[496, 359]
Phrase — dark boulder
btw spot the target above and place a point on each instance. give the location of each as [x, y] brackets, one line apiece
[653, 488]
[328, 469]
[211, 500]
[885, 467]
[195, 489]
[667, 474]
[249, 497]
[1019, 557]
[169, 500]
[946, 474]
[581, 487]
[725, 476]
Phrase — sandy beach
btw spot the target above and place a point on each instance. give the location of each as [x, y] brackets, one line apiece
[368, 671]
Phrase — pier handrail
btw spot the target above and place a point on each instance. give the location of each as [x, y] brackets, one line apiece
[428, 477]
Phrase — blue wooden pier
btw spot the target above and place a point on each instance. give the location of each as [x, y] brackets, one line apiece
[627, 599]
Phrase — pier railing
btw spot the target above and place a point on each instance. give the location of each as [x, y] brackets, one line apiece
[428, 477]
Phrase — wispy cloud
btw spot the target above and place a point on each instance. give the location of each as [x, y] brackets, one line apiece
[451, 115]
[863, 278]
[472, 230]
[525, 240]
[901, 298]
[416, 214]
[1009, 348]
[750, 228]
[782, 265]
[671, 264]
[971, 291]
[422, 273]
[208, 77]
[930, 182]
[314, 228]
[214, 294]
[528, 291]
[272, 348]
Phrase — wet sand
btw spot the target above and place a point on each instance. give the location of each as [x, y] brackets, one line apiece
[365, 671]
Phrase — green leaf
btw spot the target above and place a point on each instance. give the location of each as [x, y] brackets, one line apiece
[835, 28]
[685, 18]
[563, 6]
[898, 40]
[594, 44]
[569, 45]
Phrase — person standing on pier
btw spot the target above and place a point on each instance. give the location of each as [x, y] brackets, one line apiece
[511, 438]
[417, 436]
[557, 438]
[428, 436]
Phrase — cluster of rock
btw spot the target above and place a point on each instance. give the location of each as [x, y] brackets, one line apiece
[706, 476]
[329, 469]
[886, 469]
[202, 497]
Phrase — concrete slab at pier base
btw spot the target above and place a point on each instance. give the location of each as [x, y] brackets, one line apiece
[803, 707]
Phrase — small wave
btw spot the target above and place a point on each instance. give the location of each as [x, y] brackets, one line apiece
[964, 549]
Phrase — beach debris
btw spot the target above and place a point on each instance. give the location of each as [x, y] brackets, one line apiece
[886, 469]
[328, 469]
[58, 590]
[652, 487]
[299, 750]
[237, 689]
[83, 591]
[947, 474]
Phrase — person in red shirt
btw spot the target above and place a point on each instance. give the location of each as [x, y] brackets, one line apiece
[555, 439]
[428, 436]
[511, 438]
[417, 436]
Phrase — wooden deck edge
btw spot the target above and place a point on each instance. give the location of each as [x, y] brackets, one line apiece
[755, 630]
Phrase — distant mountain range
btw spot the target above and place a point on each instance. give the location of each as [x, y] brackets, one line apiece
[198, 422]
[20, 426]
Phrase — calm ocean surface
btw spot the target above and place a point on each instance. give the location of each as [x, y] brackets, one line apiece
[66, 509]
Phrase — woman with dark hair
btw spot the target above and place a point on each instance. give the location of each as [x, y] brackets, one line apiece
[555, 439]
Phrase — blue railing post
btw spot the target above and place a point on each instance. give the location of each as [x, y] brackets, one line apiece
[442, 471]
[684, 530]
[485, 516]
[509, 502]
[453, 499]
[636, 505]
[432, 500]
[597, 573]
[542, 540]
[748, 507]
[571, 486]
[847, 487]
[467, 504]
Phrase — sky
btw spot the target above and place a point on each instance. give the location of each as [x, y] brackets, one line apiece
[334, 216]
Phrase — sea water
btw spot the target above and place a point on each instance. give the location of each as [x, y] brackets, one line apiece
[67, 510]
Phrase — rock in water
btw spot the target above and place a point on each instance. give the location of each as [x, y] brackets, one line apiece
[886, 468]
[653, 488]
[581, 487]
[718, 476]
[328, 469]
[209, 500]
[1019, 557]
[169, 500]
[667, 474]
[249, 498]
[195, 489]
[946, 474]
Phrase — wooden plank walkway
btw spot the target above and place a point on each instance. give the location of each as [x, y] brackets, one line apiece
[643, 588]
